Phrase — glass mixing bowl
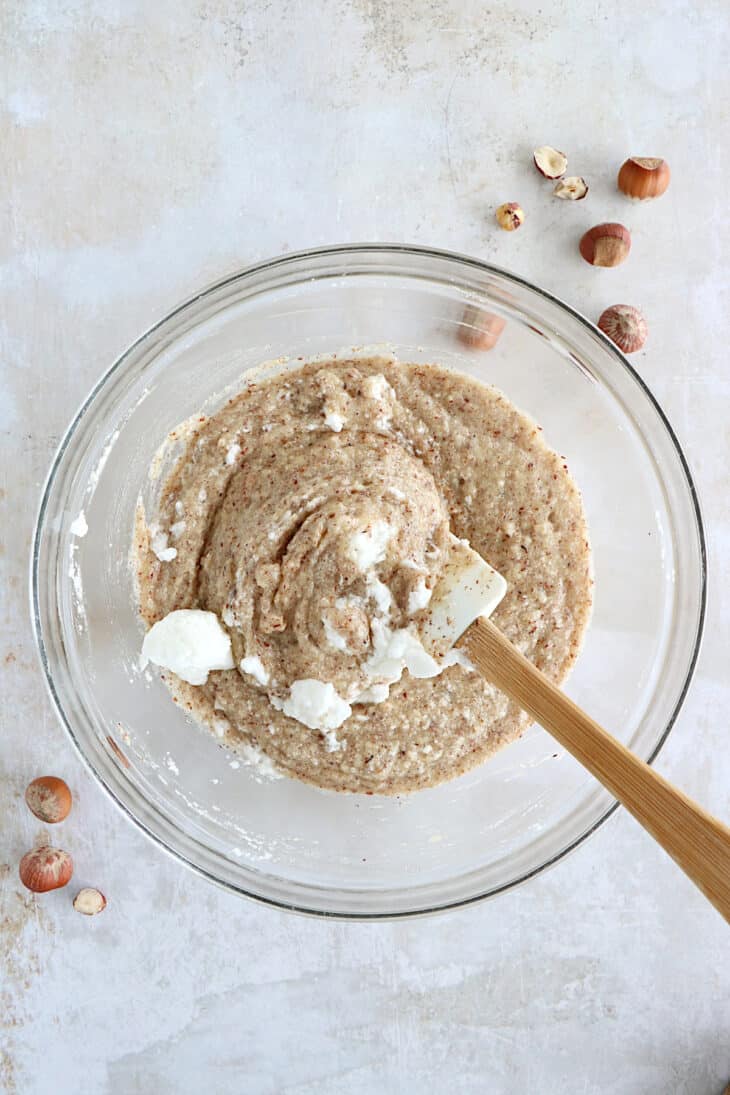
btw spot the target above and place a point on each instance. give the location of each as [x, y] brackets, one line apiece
[284, 842]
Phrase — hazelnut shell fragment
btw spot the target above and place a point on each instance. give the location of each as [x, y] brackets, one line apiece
[572, 188]
[550, 162]
[89, 901]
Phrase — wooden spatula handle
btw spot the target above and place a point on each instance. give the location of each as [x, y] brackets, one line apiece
[696, 841]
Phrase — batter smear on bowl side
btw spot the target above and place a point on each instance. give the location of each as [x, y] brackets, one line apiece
[311, 516]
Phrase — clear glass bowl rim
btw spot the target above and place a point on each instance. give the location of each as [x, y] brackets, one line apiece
[342, 252]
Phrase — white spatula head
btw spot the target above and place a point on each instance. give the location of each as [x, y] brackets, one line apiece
[469, 587]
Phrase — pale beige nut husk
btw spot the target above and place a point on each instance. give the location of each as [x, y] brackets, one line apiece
[550, 162]
[572, 188]
[89, 901]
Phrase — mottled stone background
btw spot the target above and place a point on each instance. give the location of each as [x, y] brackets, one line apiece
[149, 147]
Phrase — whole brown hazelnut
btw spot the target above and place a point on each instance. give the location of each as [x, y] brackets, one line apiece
[606, 244]
[480, 330]
[49, 798]
[644, 177]
[625, 326]
[45, 869]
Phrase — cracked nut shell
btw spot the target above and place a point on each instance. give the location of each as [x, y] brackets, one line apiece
[89, 901]
[572, 188]
[550, 162]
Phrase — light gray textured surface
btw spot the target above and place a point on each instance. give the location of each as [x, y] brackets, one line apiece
[149, 148]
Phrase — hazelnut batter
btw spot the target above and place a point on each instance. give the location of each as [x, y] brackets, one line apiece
[311, 515]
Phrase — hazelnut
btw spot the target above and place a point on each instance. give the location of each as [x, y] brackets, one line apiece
[644, 177]
[510, 216]
[89, 901]
[606, 245]
[45, 869]
[480, 330]
[572, 188]
[549, 162]
[49, 798]
[625, 326]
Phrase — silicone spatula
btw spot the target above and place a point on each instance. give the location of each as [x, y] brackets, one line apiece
[462, 601]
